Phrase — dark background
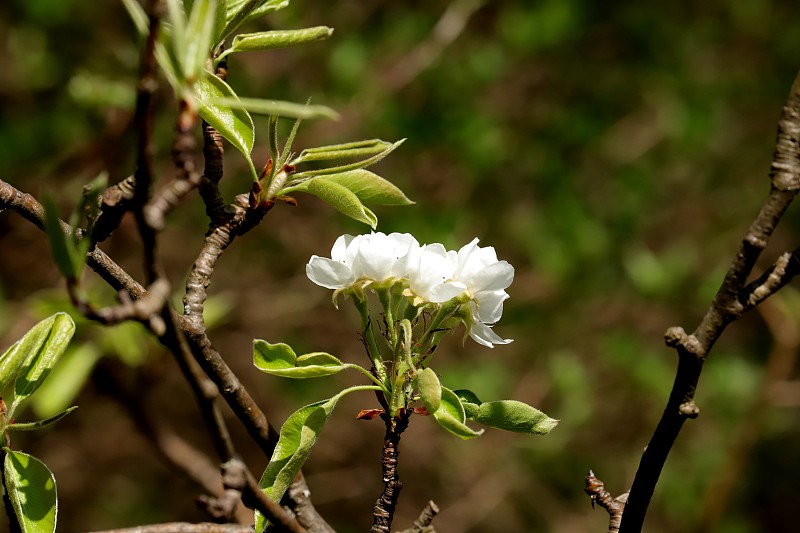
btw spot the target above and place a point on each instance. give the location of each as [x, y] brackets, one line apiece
[613, 152]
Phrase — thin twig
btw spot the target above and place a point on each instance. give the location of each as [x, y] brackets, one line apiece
[598, 494]
[213, 151]
[423, 522]
[733, 298]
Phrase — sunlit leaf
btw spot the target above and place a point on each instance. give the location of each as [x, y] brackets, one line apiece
[430, 390]
[512, 415]
[66, 380]
[239, 11]
[339, 197]
[266, 40]
[49, 338]
[298, 436]
[38, 339]
[234, 124]
[352, 166]
[31, 488]
[342, 151]
[60, 244]
[280, 108]
[369, 187]
[280, 360]
[200, 32]
[30, 426]
[451, 416]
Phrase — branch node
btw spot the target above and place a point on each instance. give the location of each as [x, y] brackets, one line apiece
[675, 336]
[689, 410]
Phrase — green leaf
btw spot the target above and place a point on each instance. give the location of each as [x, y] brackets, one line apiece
[239, 11]
[176, 15]
[352, 166]
[61, 245]
[280, 108]
[470, 402]
[280, 360]
[451, 416]
[34, 342]
[66, 380]
[430, 390]
[342, 151]
[512, 415]
[200, 32]
[370, 188]
[267, 40]
[137, 14]
[220, 18]
[30, 426]
[234, 124]
[337, 196]
[298, 436]
[31, 488]
[49, 339]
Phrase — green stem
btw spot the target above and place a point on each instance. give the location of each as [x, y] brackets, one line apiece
[385, 297]
[369, 375]
[369, 337]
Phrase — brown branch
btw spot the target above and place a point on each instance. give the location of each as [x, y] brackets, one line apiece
[213, 151]
[383, 512]
[114, 203]
[423, 523]
[298, 499]
[187, 178]
[732, 299]
[598, 494]
[143, 116]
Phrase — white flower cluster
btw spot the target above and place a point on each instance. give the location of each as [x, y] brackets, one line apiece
[432, 273]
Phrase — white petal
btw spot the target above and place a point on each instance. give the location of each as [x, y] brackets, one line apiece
[490, 306]
[328, 273]
[483, 334]
[339, 250]
[444, 292]
[496, 276]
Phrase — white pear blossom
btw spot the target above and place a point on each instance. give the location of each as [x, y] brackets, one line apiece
[433, 274]
[372, 257]
[485, 279]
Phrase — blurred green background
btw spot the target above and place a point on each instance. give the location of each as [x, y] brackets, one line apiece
[614, 153]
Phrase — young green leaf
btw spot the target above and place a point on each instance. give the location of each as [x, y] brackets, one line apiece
[430, 390]
[337, 196]
[298, 436]
[30, 426]
[234, 124]
[50, 338]
[61, 245]
[137, 14]
[33, 343]
[200, 32]
[67, 378]
[369, 187]
[176, 15]
[451, 416]
[220, 18]
[267, 40]
[280, 108]
[352, 166]
[240, 11]
[470, 402]
[280, 360]
[512, 415]
[31, 488]
[342, 151]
